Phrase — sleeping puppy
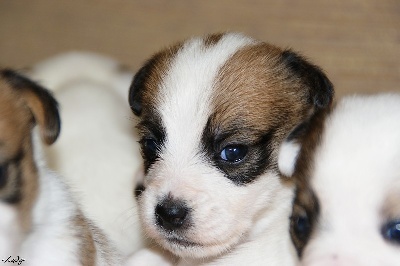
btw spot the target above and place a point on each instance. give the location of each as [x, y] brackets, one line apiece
[95, 153]
[213, 112]
[39, 221]
[345, 164]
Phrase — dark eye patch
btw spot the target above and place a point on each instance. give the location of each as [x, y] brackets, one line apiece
[152, 139]
[150, 148]
[242, 154]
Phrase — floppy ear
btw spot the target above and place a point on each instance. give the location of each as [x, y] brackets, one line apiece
[41, 103]
[138, 85]
[136, 90]
[321, 90]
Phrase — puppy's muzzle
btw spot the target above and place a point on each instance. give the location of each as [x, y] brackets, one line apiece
[172, 214]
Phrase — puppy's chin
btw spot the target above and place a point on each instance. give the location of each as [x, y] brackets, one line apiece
[185, 247]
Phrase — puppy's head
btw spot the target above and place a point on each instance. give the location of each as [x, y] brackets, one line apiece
[22, 105]
[345, 164]
[213, 112]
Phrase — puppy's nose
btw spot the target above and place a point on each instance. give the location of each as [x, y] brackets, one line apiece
[171, 214]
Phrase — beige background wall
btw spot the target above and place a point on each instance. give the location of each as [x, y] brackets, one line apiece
[357, 42]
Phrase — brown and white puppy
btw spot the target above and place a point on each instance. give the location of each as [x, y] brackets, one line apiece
[345, 164]
[39, 220]
[213, 112]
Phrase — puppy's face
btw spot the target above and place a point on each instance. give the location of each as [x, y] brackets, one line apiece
[212, 113]
[346, 210]
[22, 105]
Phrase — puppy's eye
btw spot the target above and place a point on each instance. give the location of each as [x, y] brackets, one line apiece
[149, 148]
[391, 231]
[301, 227]
[233, 153]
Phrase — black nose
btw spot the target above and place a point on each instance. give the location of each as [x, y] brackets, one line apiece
[171, 214]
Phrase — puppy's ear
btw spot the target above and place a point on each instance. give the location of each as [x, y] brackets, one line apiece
[321, 90]
[41, 103]
[136, 90]
[138, 86]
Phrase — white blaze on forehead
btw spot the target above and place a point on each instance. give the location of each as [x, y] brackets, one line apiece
[187, 89]
[357, 161]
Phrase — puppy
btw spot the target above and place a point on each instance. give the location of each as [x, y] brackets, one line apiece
[40, 224]
[96, 154]
[213, 112]
[345, 164]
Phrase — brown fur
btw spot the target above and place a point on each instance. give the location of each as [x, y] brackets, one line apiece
[212, 39]
[89, 234]
[253, 92]
[148, 79]
[87, 247]
[16, 123]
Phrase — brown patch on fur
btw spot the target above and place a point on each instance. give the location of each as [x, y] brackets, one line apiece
[256, 92]
[145, 84]
[16, 123]
[29, 189]
[22, 104]
[212, 39]
[87, 247]
[93, 242]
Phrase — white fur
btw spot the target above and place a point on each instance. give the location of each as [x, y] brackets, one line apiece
[10, 233]
[52, 231]
[236, 225]
[52, 238]
[356, 168]
[96, 153]
[287, 157]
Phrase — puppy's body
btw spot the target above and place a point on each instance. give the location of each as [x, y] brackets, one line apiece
[47, 227]
[212, 113]
[96, 153]
[346, 210]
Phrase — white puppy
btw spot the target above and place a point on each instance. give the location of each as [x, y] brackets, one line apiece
[347, 171]
[96, 153]
[40, 224]
[213, 112]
